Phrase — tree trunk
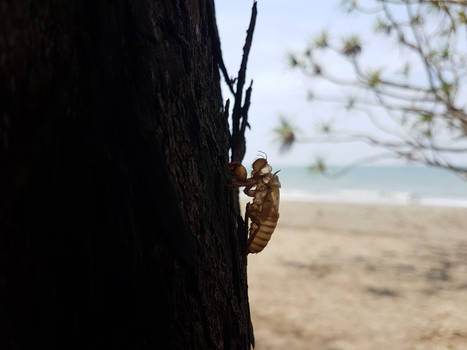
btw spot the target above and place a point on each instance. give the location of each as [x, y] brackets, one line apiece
[118, 228]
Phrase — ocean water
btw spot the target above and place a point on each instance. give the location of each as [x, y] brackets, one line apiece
[396, 185]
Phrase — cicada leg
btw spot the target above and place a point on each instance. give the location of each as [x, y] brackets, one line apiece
[249, 184]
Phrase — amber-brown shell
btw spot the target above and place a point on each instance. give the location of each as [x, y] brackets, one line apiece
[263, 211]
[264, 220]
[238, 171]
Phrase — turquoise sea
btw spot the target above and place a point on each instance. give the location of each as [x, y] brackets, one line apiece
[400, 185]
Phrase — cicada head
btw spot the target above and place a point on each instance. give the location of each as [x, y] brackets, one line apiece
[260, 167]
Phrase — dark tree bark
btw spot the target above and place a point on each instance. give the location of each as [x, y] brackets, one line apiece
[117, 223]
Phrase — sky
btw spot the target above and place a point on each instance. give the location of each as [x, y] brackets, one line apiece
[283, 27]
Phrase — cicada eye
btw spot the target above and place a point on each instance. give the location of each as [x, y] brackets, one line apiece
[258, 164]
[266, 169]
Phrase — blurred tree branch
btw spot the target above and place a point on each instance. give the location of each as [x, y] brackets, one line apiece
[426, 108]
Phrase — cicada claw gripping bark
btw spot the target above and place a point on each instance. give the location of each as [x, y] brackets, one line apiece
[263, 211]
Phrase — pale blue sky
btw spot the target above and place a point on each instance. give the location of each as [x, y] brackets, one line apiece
[287, 26]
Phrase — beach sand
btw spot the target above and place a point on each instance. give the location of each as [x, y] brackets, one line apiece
[349, 276]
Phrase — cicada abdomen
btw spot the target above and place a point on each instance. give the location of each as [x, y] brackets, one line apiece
[262, 228]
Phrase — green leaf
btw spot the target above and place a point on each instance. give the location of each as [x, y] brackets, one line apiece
[352, 46]
[350, 103]
[427, 133]
[382, 27]
[436, 4]
[285, 132]
[426, 117]
[318, 167]
[349, 5]
[317, 69]
[446, 88]
[445, 53]
[406, 69]
[293, 61]
[325, 127]
[416, 20]
[374, 78]
[322, 41]
[462, 17]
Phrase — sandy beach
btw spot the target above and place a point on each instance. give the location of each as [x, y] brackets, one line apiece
[349, 276]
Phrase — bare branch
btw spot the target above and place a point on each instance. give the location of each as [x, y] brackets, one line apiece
[240, 120]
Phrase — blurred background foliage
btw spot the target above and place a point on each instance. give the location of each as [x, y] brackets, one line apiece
[417, 104]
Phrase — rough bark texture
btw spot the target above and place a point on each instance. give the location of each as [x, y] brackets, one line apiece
[117, 227]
